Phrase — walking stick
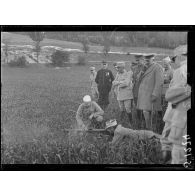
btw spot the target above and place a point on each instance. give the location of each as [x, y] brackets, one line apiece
[151, 119]
[156, 115]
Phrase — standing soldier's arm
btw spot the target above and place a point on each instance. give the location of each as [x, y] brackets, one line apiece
[139, 75]
[126, 82]
[115, 82]
[111, 76]
[97, 77]
[158, 82]
[98, 110]
[91, 81]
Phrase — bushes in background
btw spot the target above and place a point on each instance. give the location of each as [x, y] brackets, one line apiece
[60, 58]
[81, 61]
[18, 62]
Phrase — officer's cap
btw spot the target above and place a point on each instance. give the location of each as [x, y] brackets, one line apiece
[149, 56]
[120, 65]
[115, 64]
[104, 62]
[92, 68]
[138, 56]
[181, 50]
[133, 64]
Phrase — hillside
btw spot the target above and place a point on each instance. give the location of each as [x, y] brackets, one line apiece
[17, 39]
[162, 39]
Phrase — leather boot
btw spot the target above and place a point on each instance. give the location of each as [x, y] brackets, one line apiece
[139, 119]
[135, 119]
[130, 119]
[166, 155]
[122, 117]
[147, 119]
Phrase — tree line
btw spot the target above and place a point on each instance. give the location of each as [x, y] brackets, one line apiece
[161, 39]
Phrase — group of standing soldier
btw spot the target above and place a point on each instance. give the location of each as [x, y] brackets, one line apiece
[139, 88]
[139, 93]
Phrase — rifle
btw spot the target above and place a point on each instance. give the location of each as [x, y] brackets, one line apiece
[89, 130]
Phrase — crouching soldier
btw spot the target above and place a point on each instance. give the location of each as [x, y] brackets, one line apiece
[119, 132]
[89, 114]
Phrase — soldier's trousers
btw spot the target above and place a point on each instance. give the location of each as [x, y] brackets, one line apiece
[137, 114]
[125, 105]
[94, 93]
[103, 99]
[169, 144]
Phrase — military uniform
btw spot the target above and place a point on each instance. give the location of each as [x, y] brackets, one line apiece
[150, 87]
[94, 89]
[168, 75]
[104, 80]
[123, 83]
[137, 114]
[176, 116]
[121, 132]
[85, 111]
[115, 88]
[136, 81]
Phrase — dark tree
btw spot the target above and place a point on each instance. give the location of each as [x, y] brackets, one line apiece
[85, 45]
[106, 42]
[37, 37]
[6, 49]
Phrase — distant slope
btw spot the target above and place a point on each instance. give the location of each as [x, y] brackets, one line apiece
[17, 39]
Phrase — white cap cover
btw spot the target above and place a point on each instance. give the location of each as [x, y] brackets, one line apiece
[87, 98]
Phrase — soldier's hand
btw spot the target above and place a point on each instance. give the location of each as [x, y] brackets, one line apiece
[84, 127]
[91, 116]
[153, 98]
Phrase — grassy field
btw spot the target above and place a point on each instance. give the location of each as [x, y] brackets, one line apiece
[37, 104]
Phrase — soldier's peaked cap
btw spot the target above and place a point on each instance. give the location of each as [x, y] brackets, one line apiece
[121, 64]
[149, 56]
[181, 50]
[134, 64]
[92, 68]
[138, 56]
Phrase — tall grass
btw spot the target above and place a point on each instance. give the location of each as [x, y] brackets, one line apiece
[81, 148]
[36, 108]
